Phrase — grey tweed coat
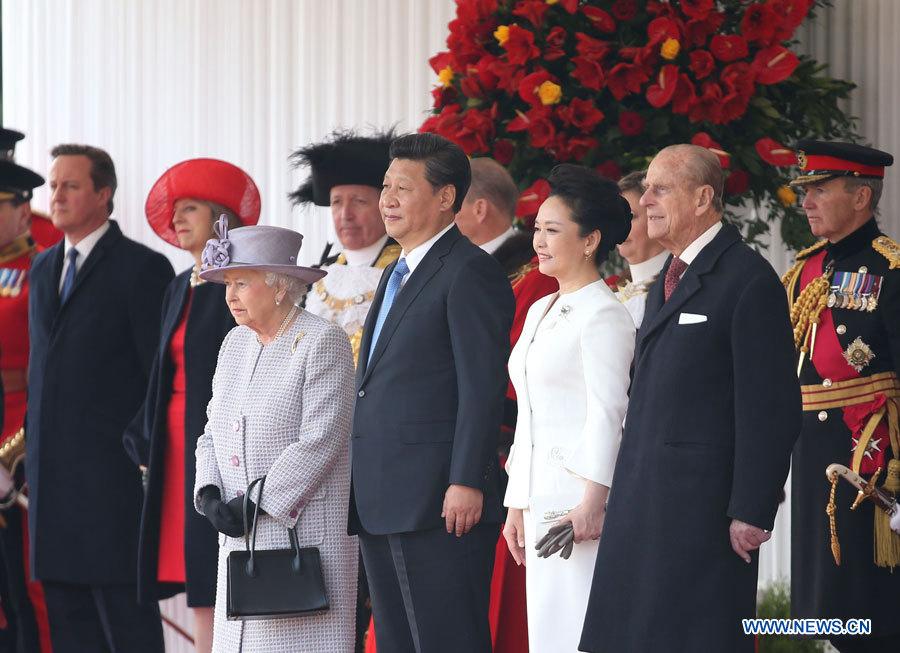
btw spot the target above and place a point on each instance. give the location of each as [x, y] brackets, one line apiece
[286, 414]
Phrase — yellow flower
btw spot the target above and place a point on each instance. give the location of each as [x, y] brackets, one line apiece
[552, 2]
[502, 34]
[670, 49]
[549, 93]
[446, 76]
[787, 196]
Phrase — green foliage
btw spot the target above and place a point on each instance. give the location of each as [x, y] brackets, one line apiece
[774, 602]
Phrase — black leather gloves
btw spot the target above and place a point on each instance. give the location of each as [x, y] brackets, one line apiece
[220, 514]
[560, 536]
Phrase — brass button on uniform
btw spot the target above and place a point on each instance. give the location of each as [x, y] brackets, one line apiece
[823, 415]
[841, 329]
[827, 383]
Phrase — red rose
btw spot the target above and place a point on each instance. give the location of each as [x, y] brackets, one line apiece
[661, 29]
[589, 73]
[684, 95]
[775, 153]
[531, 199]
[759, 23]
[591, 47]
[697, 8]
[581, 114]
[533, 10]
[624, 10]
[737, 182]
[599, 18]
[503, 151]
[660, 93]
[774, 64]
[728, 47]
[610, 169]
[568, 148]
[631, 123]
[430, 125]
[444, 96]
[703, 139]
[625, 78]
[520, 46]
[556, 39]
[702, 63]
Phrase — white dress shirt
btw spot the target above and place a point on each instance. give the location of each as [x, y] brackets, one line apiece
[416, 254]
[491, 246]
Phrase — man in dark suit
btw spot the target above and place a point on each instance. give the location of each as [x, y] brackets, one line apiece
[94, 313]
[430, 386]
[714, 412]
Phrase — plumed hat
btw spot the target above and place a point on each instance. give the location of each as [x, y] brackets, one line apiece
[824, 160]
[345, 158]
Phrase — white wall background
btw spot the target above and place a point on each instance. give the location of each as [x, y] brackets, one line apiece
[157, 81]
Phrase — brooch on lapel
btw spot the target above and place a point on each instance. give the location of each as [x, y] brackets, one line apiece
[564, 311]
[297, 338]
[858, 354]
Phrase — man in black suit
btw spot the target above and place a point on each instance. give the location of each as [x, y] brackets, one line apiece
[430, 386]
[94, 313]
[713, 415]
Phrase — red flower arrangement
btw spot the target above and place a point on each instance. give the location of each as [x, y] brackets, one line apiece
[610, 82]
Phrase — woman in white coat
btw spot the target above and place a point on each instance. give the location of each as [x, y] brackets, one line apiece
[281, 403]
[570, 370]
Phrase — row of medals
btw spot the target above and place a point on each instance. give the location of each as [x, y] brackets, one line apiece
[840, 297]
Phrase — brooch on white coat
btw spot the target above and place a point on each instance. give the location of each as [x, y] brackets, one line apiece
[564, 311]
[297, 337]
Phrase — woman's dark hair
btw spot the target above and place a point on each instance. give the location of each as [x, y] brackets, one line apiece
[445, 162]
[595, 203]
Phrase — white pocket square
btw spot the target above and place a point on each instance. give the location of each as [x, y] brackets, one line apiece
[691, 318]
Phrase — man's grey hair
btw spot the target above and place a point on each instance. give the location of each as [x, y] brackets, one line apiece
[852, 184]
[701, 167]
[294, 288]
[492, 182]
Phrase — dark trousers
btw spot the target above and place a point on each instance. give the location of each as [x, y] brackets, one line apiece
[431, 590]
[865, 644]
[21, 632]
[100, 618]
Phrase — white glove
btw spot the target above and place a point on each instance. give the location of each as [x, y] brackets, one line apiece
[895, 519]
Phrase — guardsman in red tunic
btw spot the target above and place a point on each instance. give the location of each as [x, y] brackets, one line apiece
[23, 626]
[844, 293]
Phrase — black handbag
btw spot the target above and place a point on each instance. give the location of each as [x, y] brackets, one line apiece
[273, 584]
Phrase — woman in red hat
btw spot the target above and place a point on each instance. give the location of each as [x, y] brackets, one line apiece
[178, 547]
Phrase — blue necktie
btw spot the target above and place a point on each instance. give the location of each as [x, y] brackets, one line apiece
[393, 285]
[69, 279]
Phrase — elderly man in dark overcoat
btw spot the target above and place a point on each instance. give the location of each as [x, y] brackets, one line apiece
[714, 412]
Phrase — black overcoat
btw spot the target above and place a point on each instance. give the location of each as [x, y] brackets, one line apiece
[209, 320]
[713, 414]
[90, 361]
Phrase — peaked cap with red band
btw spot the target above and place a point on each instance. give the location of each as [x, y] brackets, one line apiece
[824, 160]
[201, 179]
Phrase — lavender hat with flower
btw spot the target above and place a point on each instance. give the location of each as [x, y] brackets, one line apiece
[263, 248]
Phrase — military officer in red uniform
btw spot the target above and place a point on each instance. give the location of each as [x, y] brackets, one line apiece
[486, 219]
[844, 293]
[25, 627]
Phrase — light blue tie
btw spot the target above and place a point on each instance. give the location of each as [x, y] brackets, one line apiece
[69, 279]
[393, 285]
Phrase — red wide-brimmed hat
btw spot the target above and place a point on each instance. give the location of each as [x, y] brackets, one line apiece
[201, 179]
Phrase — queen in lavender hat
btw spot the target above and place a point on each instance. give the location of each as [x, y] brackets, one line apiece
[281, 405]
